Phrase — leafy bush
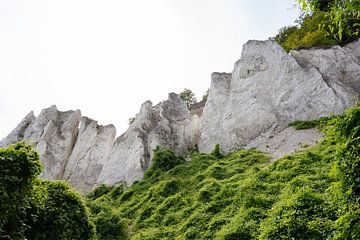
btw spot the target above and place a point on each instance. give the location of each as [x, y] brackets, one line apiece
[19, 167]
[36, 209]
[307, 124]
[99, 191]
[306, 195]
[164, 159]
[62, 214]
[322, 22]
[110, 226]
[216, 152]
[188, 96]
[341, 19]
[304, 215]
[307, 34]
[348, 129]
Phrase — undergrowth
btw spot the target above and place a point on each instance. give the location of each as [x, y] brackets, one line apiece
[307, 124]
[312, 194]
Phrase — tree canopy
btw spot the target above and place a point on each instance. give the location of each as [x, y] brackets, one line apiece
[188, 96]
[36, 209]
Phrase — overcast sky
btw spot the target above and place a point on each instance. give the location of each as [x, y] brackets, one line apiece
[107, 57]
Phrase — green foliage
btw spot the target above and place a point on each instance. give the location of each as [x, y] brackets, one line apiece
[19, 167]
[62, 214]
[284, 33]
[316, 5]
[304, 215]
[307, 34]
[188, 96]
[307, 124]
[342, 17]
[99, 191]
[36, 209]
[164, 160]
[348, 129]
[216, 152]
[322, 22]
[110, 226]
[307, 195]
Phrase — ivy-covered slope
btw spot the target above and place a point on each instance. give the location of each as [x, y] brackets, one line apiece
[307, 195]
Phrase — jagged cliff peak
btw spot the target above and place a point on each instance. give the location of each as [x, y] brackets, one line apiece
[270, 88]
[250, 107]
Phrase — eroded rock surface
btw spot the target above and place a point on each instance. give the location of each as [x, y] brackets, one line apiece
[250, 107]
[168, 124]
[270, 88]
[87, 153]
[91, 151]
[286, 142]
[53, 133]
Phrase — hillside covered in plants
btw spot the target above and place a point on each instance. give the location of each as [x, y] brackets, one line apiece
[313, 194]
[200, 182]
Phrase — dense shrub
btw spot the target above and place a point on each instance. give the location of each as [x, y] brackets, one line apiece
[217, 151]
[36, 209]
[62, 214]
[307, 34]
[341, 19]
[322, 23]
[306, 124]
[163, 160]
[19, 167]
[99, 191]
[306, 195]
[304, 215]
[110, 226]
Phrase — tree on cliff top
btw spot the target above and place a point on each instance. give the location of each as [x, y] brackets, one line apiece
[188, 96]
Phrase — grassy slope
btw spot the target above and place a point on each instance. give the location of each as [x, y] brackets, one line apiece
[239, 196]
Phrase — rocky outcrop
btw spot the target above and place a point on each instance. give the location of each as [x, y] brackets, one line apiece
[250, 107]
[269, 88]
[53, 133]
[86, 153]
[168, 124]
[287, 141]
[90, 153]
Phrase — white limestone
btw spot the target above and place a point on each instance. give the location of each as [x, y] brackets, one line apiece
[168, 124]
[269, 89]
[93, 146]
[250, 107]
[285, 142]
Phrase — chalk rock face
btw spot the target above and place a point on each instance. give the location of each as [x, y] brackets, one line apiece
[287, 141]
[92, 148]
[250, 107]
[168, 124]
[80, 150]
[18, 133]
[269, 88]
[53, 133]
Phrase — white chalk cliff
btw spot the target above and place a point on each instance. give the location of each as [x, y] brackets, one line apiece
[270, 88]
[250, 107]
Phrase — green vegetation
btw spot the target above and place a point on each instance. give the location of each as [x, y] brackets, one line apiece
[61, 214]
[19, 166]
[163, 160]
[36, 209]
[188, 96]
[322, 22]
[321, 122]
[312, 194]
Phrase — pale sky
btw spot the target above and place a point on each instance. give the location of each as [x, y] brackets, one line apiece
[106, 57]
